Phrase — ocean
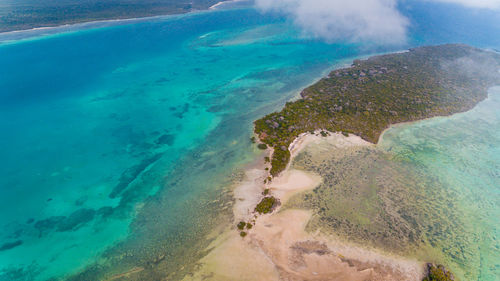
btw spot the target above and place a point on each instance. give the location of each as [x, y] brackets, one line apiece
[121, 141]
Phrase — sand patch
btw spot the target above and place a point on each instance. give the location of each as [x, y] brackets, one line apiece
[299, 255]
[249, 192]
[235, 258]
[278, 247]
[293, 182]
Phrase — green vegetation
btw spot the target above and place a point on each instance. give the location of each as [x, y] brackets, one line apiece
[279, 161]
[243, 234]
[249, 225]
[26, 14]
[265, 192]
[438, 273]
[266, 205]
[241, 225]
[372, 94]
[262, 146]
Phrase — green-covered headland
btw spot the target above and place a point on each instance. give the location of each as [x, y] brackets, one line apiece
[372, 94]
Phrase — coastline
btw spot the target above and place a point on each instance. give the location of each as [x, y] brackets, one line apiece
[32, 33]
[324, 105]
[15, 36]
[94, 22]
[256, 257]
[117, 19]
[381, 137]
[158, 258]
[280, 239]
[216, 5]
[278, 244]
[223, 2]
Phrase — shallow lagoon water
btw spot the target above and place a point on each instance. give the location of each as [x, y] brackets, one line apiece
[119, 142]
[429, 190]
[461, 154]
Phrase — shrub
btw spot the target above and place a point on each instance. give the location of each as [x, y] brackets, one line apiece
[241, 225]
[280, 161]
[262, 146]
[438, 273]
[266, 205]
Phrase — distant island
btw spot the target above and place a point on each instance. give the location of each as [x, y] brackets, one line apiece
[368, 97]
[27, 14]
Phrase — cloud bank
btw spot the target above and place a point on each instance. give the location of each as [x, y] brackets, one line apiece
[486, 4]
[376, 21]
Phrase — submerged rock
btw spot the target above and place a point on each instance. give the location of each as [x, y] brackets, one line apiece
[10, 245]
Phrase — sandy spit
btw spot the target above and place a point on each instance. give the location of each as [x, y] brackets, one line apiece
[278, 247]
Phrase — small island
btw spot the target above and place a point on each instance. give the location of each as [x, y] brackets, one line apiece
[373, 94]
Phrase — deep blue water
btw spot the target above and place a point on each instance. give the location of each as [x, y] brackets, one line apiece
[131, 128]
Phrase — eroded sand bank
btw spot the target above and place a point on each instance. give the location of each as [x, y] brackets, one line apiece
[278, 247]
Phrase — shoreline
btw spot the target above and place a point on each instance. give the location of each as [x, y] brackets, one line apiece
[279, 240]
[278, 244]
[91, 24]
[280, 128]
[223, 2]
[15, 36]
[275, 236]
[215, 5]
[118, 19]
[434, 117]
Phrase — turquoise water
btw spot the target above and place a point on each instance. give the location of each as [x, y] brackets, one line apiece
[461, 154]
[98, 120]
[428, 191]
[118, 141]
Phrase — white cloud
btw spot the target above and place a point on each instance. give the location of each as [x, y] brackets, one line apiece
[354, 20]
[487, 4]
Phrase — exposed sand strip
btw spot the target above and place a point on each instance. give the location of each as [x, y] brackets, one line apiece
[278, 247]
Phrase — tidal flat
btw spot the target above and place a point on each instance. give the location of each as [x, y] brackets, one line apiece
[428, 190]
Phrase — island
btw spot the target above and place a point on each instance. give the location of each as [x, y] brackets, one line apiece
[373, 94]
[27, 14]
